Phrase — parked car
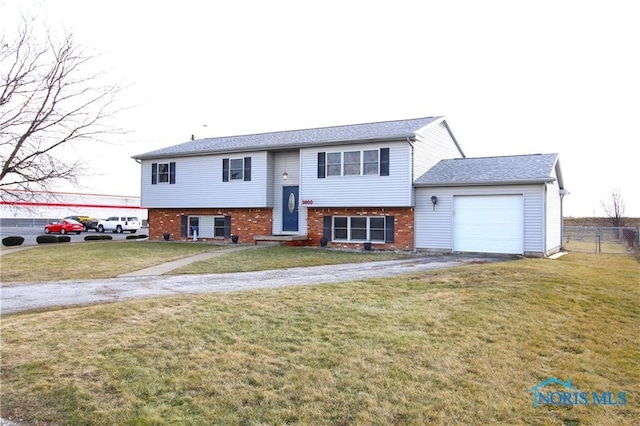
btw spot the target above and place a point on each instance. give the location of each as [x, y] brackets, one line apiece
[120, 224]
[87, 221]
[64, 226]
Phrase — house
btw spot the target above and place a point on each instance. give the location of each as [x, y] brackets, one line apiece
[350, 184]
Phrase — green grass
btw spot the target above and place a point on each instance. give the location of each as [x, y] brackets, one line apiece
[455, 346]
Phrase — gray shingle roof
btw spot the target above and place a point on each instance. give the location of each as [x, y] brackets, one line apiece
[490, 170]
[399, 129]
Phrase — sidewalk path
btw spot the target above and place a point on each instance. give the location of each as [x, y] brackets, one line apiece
[170, 266]
[30, 296]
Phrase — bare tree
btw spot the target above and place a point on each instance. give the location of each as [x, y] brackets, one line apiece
[614, 208]
[48, 100]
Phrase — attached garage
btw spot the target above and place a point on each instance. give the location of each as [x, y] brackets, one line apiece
[488, 223]
[510, 205]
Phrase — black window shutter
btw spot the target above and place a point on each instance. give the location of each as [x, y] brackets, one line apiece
[227, 226]
[389, 231]
[154, 173]
[326, 227]
[184, 225]
[247, 168]
[172, 172]
[384, 162]
[322, 157]
[225, 170]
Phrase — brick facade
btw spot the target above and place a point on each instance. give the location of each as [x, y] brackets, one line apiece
[403, 225]
[245, 223]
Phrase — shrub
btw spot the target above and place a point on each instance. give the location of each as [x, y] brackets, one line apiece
[63, 238]
[136, 237]
[97, 237]
[14, 240]
[46, 239]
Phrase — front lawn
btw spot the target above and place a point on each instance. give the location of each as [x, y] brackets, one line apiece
[455, 346]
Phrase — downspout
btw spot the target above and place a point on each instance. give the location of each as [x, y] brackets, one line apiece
[546, 222]
[563, 192]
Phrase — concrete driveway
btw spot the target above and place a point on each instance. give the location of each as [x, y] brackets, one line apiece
[31, 296]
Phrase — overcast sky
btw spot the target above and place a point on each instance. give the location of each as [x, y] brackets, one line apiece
[512, 77]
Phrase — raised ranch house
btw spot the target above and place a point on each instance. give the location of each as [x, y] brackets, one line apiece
[402, 184]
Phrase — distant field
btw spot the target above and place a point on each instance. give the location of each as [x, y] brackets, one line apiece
[598, 221]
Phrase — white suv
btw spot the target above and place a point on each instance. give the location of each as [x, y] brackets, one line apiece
[119, 224]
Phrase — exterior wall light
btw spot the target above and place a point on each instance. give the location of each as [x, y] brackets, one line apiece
[434, 200]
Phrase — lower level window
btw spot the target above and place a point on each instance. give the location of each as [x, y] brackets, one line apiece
[359, 228]
[218, 227]
[205, 226]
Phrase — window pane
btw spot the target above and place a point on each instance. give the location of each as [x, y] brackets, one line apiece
[371, 162]
[376, 228]
[163, 172]
[377, 222]
[359, 228]
[236, 169]
[376, 235]
[194, 222]
[339, 228]
[352, 163]
[333, 170]
[334, 164]
[358, 234]
[359, 222]
[218, 227]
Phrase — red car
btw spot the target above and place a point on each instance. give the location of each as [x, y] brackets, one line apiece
[64, 226]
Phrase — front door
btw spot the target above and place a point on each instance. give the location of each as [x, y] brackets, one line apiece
[290, 208]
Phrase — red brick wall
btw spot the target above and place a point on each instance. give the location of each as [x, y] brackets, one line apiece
[403, 225]
[245, 223]
[249, 222]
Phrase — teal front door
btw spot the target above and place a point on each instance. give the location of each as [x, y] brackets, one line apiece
[290, 208]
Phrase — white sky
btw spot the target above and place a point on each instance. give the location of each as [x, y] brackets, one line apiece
[512, 77]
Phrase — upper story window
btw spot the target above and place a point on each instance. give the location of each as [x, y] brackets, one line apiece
[163, 173]
[354, 163]
[236, 169]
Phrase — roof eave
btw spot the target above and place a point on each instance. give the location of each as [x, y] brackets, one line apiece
[484, 183]
[399, 138]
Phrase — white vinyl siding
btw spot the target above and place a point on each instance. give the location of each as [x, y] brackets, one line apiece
[288, 161]
[363, 190]
[433, 143]
[199, 184]
[434, 228]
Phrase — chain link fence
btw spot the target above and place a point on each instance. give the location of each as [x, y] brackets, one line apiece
[592, 239]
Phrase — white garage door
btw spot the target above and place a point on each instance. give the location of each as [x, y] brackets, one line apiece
[488, 223]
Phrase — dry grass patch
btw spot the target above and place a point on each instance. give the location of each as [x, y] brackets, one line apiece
[456, 346]
[100, 259]
[283, 257]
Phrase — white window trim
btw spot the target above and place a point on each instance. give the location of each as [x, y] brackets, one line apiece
[349, 239]
[166, 174]
[342, 164]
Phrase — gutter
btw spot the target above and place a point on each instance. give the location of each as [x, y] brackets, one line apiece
[484, 183]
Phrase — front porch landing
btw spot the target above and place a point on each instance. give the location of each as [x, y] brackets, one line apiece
[280, 238]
